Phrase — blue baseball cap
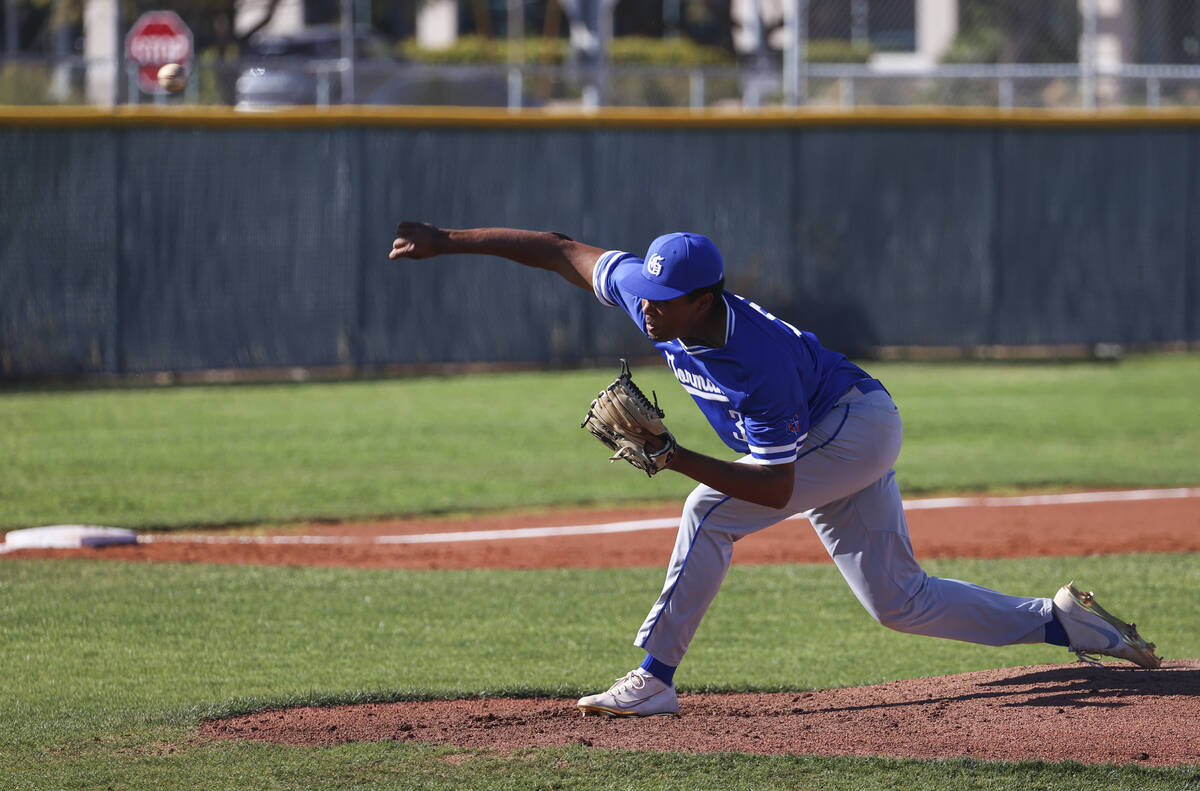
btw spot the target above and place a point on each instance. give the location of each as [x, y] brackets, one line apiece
[675, 264]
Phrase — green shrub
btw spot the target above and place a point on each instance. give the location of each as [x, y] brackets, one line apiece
[835, 50]
[622, 51]
[979, 45]
[29, 83]
[477, 49]
[679, 51]
[625, 50]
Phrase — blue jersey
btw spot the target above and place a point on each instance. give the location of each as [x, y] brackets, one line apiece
[763, 388]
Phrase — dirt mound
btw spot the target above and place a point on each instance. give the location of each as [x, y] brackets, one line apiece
[1116, 714]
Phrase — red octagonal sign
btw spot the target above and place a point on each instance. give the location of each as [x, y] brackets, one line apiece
[156, 39]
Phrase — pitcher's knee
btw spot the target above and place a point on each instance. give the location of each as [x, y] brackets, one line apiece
[898, 609]
[701, 501]
[903, 619]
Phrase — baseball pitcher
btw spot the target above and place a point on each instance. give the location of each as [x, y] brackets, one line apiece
[814, 433]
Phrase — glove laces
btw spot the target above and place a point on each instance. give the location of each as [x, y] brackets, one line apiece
[636, 392]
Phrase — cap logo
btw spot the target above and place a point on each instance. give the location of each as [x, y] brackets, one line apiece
[654, 265]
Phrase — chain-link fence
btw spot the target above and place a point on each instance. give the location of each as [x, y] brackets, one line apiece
[817, 53]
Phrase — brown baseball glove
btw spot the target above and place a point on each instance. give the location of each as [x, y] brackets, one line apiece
[627, 422]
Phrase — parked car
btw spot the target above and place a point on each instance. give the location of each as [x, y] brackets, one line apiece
[474, 86]
[305, 68]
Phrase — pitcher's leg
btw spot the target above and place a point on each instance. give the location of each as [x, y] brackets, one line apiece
[867, 537]
[710, 523]
[851, 447]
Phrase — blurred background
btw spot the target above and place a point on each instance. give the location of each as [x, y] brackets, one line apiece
[157, 235]
[589, 53]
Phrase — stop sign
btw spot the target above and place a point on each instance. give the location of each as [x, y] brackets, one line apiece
[156, 39]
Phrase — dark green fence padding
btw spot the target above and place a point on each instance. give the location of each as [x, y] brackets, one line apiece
[136, 247]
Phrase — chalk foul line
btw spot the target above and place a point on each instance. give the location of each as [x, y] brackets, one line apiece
[663, 523]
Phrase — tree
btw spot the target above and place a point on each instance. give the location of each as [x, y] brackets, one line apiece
[1016, 31]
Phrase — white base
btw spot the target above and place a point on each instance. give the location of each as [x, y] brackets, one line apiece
[66, 537]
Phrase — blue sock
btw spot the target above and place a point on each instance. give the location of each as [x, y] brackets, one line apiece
[664, 673]
[1055, 633]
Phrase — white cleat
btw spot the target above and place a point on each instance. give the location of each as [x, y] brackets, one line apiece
[636, 694]
[1093, 630]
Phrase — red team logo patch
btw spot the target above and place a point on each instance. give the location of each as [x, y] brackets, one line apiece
[793, 425]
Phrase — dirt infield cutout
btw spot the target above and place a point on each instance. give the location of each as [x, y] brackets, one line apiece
[1167, 525]
[1118, 713]
[1115, 714]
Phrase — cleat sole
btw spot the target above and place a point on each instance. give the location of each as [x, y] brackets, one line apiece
[1141, 648]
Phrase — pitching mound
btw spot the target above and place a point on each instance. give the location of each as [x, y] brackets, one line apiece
[1117, 714]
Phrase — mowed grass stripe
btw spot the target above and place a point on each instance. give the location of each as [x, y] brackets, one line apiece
[246, 454]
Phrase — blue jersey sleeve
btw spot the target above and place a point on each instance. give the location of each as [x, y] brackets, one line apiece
[604, 283]
[774, 429]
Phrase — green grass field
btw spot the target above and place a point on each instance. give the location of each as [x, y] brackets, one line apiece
[109, 666]
[145, 458]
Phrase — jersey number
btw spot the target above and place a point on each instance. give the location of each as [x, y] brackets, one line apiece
[739, 425]
[772, 317]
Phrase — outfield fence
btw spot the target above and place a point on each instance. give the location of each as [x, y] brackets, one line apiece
[165, 240]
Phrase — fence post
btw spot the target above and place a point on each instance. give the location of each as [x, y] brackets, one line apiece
[846, 91]
[696, 89]
[516, 89]
[516, 54]
[795, 57]
[1087, 54]
[348, 53]
[1005, 97]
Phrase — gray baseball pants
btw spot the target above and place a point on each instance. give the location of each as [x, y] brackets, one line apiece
[846, 486]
